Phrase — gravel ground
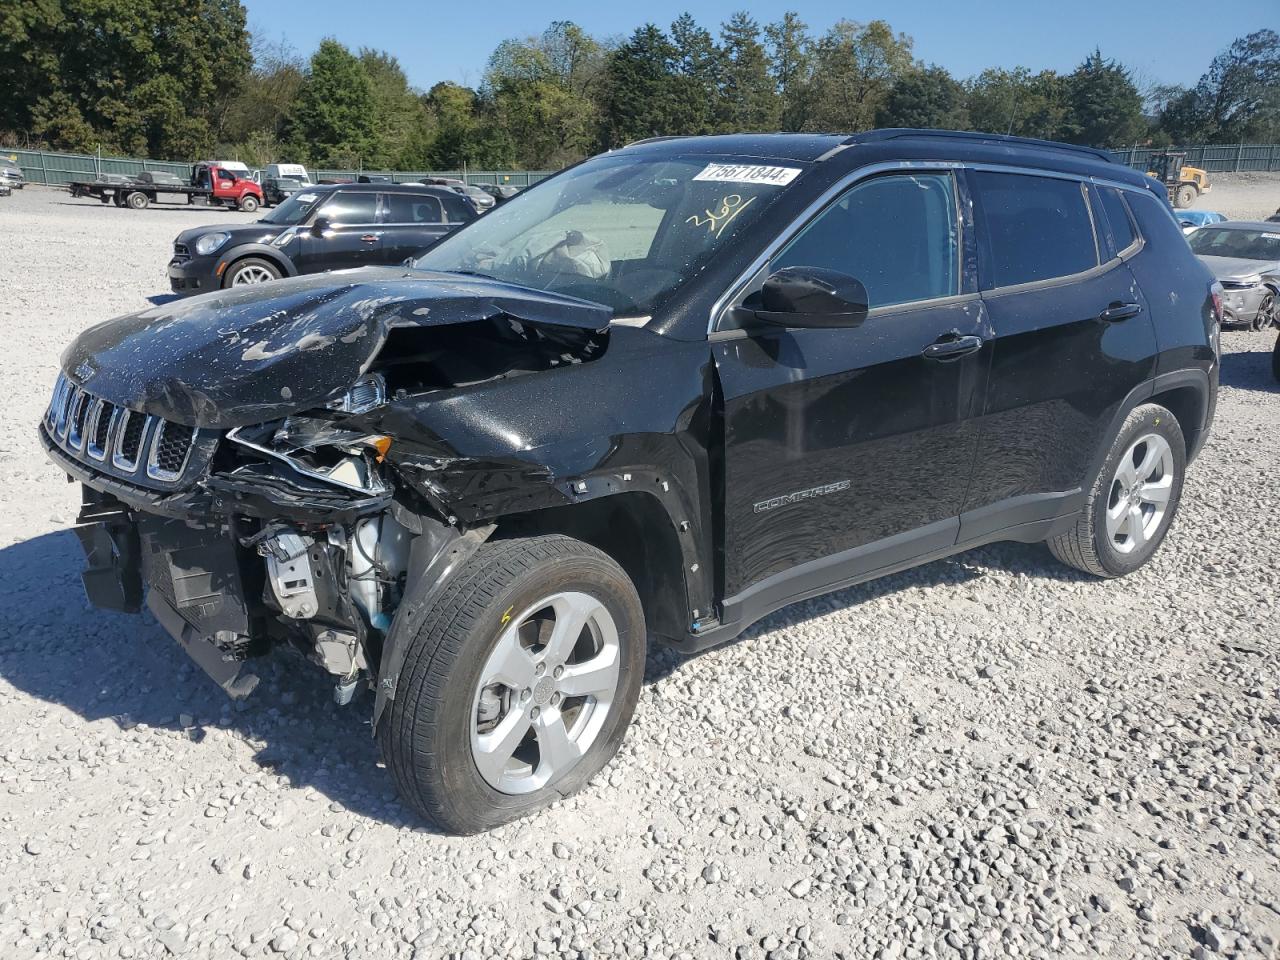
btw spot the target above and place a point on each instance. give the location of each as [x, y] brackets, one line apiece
[989, 755]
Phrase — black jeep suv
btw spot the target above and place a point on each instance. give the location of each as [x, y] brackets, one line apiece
[652, 398]
[315, 229]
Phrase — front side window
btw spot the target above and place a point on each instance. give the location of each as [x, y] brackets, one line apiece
[410, 208]
[897, 234]
[351, 208]
[1037, 228]
[622, 230]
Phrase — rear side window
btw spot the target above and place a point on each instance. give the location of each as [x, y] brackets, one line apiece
[897, 234]
[1037, 228]
[410, 208]
[456, 209]
[1117, 211]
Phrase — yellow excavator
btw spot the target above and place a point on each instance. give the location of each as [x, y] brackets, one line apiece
[1184, 183]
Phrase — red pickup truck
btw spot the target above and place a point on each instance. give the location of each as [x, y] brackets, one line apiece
[210, 183]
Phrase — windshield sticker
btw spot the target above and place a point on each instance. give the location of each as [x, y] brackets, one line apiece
[306, 197]
[748, 173]
[1271, 236]
[716, 220]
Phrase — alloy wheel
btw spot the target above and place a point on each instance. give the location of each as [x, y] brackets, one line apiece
[252, 274]
[544, 692]
[1140, 491]
[1266, 316]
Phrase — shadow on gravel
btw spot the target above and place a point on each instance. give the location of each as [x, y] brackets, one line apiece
[1250, 370]
[127, 671]
[154, 207]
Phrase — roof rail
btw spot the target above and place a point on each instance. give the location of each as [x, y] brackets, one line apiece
[894, 133]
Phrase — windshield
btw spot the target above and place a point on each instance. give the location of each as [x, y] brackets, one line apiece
[1244, 244]
[618, 230]
[294, 210]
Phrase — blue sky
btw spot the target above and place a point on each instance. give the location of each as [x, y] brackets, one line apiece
[1169, 41]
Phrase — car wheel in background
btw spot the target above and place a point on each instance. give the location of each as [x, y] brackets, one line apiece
[249, 271]
[1133, 499]
[248, 203]
[1266, 316]
[137, 200]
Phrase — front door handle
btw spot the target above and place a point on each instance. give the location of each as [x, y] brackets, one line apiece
[952, 348]
[369, 238]
[1120, 311]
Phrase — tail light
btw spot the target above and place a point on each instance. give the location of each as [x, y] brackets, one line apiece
[1215, 294]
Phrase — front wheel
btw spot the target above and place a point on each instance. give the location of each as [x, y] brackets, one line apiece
[1267, 311]
[1275, 359]
[1185, 196]
[1133, 499]
[251, 270]
[518, 683]
[248, 203]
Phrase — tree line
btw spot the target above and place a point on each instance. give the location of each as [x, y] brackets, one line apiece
[149, 78]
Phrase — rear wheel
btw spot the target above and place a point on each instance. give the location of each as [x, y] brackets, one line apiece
[248, 203]
[1275, 359]
[1133, 499]
[137, 200]
[251, 270]
[1185, 195]
[518, 684]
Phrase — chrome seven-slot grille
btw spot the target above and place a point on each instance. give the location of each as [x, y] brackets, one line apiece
[140, 447]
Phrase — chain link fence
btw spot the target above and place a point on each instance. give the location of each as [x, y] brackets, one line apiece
[59, 169]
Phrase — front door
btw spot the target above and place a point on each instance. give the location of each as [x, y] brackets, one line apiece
[351, 237]
[848, 450]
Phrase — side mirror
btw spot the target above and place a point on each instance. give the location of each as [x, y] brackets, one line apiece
[810, 297]
[319, 225]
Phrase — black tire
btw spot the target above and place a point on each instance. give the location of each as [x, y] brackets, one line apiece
[1266, 314]
[425, 733]
[248, 203]
[137, 200]
[1086, 546]
[240, 266]
[1275, 359]
[1185, 195]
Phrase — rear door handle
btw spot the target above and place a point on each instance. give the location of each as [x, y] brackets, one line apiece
[369, 238]
[952, 348]
[1120, 311]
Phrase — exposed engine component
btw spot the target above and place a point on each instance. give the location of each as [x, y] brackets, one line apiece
[290, 574]
[378, 556]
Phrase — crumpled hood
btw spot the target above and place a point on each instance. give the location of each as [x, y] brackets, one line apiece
[1238, 268]
[260, 352]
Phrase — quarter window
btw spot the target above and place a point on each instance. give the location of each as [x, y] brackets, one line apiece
[351, 208]
[897, 234]
[457, 210]
[1122, 231]
[1037, 228]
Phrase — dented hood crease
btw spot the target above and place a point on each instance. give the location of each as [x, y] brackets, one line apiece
[263, 352]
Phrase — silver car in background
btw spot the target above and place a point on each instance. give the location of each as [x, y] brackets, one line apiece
[11, 175]
[1244, 256]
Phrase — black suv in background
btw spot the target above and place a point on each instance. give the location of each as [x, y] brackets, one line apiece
[650, 399]
[315, 229]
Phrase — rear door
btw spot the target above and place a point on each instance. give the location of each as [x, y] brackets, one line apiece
[351, 237]
[1073, 337]
[411, 222]
[850, 449]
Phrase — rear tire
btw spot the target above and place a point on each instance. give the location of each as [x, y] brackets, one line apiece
[507, 609]
[1130, 507]
[1185, 195]
[1275, 359]
[137, 200]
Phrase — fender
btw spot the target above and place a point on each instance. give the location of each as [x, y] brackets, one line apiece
[263, 250]
[1195, 378]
